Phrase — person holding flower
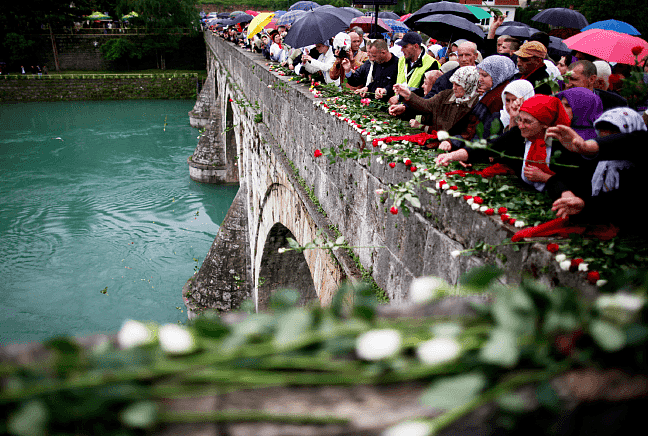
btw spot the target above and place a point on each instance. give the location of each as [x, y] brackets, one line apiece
[446, 109]
[523, 147]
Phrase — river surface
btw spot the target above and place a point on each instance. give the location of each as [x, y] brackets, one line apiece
[99, 220]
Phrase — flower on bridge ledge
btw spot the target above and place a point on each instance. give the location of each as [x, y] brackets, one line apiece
[318, 153]
[365, 101]
[394, 210]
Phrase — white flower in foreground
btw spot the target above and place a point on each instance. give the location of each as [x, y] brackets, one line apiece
[483, 208]
[583, 266]
[519, 224]
[450, 191]
[409, 428]
[470, 201]
[133, 334]
[282, 250]
[455, 253]
[456, 194]
[176, 339]
[445, 186]
[438, 350]
[423, 289]
[442, 135]
[378, 344]
[629, 302]
[601, 283]
[474, 206]
[560, 257]
[565, 265]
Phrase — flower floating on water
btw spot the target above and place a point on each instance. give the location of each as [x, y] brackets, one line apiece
[378, 344]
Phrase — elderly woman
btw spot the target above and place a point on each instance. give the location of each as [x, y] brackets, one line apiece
[524, 145]
[447, 108]
[277, 51]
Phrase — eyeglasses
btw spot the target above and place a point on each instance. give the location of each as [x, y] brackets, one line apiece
[525, 121]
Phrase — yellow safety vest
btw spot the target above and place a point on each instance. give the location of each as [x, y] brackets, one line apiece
[415, 77]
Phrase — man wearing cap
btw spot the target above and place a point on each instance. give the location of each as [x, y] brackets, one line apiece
[414, 63]
[531, 65]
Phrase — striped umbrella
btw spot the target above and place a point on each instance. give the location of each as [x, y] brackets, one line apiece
[304, 6]
[397, 26]
[289, 17]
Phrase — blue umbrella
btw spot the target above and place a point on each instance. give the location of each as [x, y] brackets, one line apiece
[289, 17]
[561, 17]
[279, 13]
[304, 6]
[616, 25]
[397, 26]
[314, 27]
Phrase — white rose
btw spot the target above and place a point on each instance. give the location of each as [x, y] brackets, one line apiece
[583, 266]
[445, 186]
[456, 194]
[378, 344]
[601, 283]
[565, 265]
[560, 257]
[442, 135]
[176, 339]
[470, 201]
[519, 223]
[409, 428]
[282, 250]
[134, 333]
[450, 191]
[629, 302]
[474, 206]
[423, 289]
[438, 350]
[380, 160]
[483, 208]
[455, 253]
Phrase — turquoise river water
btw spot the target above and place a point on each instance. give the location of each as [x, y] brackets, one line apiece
[99, 220]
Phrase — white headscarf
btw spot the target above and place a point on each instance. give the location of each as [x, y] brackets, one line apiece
[606, 176]
[520, 89]
[468, 78]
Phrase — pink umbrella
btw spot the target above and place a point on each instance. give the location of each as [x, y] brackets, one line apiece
[366, 22]
[608, 45]
[404, 17]
[253, 13]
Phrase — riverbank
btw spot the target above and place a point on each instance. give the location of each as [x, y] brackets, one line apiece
[99, 86]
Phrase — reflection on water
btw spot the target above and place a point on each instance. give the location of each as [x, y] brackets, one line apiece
[95, 195]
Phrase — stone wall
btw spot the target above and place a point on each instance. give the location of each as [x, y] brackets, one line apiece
[401, 247]
[59, 89]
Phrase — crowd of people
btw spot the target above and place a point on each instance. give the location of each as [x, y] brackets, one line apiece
[580, 145]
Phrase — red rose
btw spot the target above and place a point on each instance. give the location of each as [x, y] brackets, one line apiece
[478, 200]
[318, 153]
[593, 277]
[504, 218]
[316, 83]
[392, 164]
[441, 183]
[511, 221]
[454, 188]
[231, 100]
[413, 168]
[553, 248]
[388, 140]
[394, 210]
[576, 262]
[467, 197]
[502, 210]
[408, 162]
[636, 50]
[374, 143]
[489, 211]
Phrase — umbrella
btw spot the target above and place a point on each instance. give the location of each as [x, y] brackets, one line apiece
[442, 7]
[404, 17]
[240, 18]
[520, 32]
[514, 23]
[98, 16]
[132, 14]
[258, 23]
[304, 6]
[479, 12]
[366, 23]
[561, 17]
[616, 25]
[279, 13]
[354, 11]
[340, 12]
[289, 17]
[396, 26]
[388, 14]
[315, 27]
[223, 15]
[235, 13]
[608, 45]
[557, 45]
[448, 27]
[253, 13]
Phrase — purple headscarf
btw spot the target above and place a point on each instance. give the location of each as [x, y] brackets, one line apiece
[586, 107]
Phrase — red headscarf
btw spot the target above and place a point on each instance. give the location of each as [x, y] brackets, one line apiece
[550, 112]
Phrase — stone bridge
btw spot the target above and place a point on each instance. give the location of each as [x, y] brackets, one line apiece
[261, 131]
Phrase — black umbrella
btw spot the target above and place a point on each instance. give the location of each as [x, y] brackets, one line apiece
[561, 17]
[513, 23]
[442, 7]
[558, 47]
[389, 14]
[304, 6]
[520, 32]
[240, 18]
[354, 11]
[223, 15]
[448, 27]
[316, 26]
[340, 12]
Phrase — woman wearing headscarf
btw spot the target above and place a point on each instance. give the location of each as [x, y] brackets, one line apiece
[524, 146]
[447, 108]
[515, 93]
[584, 107]
[610, 197]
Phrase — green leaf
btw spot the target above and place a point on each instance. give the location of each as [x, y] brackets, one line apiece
[607, 335]
[451, 392]
[284, 299]
[292, 243]
[140, 415]
[481, 277]
[340, 240]
[29, 420]
[512, 402]
[292, 326]
[548, 397]
[210, 325]
[414, 201]
[501, 349]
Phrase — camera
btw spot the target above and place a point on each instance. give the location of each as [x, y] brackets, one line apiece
[342, 42]
[342, 54]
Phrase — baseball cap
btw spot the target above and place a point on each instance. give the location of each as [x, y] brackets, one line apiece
[410, 38]
[532, 49]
